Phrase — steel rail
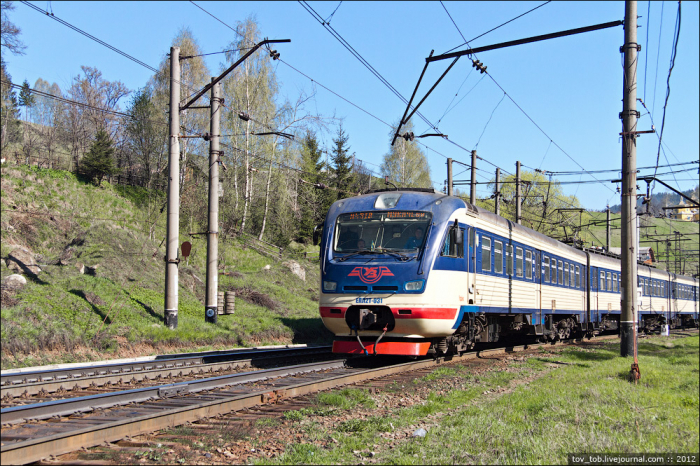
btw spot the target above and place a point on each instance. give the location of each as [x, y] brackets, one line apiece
[49, 381]
[82, 404]
[176, 407]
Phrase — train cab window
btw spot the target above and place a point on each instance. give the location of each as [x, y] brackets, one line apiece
[509, 259]
[485, 254]
[451, 248]
[602, 281]
[561, 273]
[528, 265]
[519, 262]
[546, 269]
[566, 274]
[498, 257]
[614, 282]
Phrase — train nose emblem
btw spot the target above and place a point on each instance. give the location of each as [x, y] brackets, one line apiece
[370, 275]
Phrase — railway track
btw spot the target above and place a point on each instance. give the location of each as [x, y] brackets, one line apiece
[21, 387]
[40, 430]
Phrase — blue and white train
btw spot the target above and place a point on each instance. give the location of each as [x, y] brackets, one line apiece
[413, 272]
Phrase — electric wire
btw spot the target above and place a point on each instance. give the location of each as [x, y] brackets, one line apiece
[466, 42]
[658, 51]
[646, 58]
[677, 33]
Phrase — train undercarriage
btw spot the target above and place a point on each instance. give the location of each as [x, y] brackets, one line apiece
[491, 328]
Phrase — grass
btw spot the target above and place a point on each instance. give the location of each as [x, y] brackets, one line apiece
[535, 412]
[65, 316]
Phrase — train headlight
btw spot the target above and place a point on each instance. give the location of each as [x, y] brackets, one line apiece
[329, 286]
[414, 286]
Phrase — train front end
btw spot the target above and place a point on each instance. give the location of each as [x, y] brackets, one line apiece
[376, 255]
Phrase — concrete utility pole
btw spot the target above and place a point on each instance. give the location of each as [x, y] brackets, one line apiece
[498, 192]
[607, 228]
[211, 303]
[173, 222]
[629, 115]
[472, 191]
[449, 176]
[518, 195]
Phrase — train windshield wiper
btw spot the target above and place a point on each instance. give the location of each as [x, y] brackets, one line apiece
[396, 253]
[358, 253]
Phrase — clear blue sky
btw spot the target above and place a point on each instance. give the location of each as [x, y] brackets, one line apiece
[571, 87]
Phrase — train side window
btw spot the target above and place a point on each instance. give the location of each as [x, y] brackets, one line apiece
[509, 259]
[472, 236]
[528, 265]
[609, 288]
[485, 254]
[561, 273]
[519, 262]
[577, 284]
[619, 283]
[498, 257]
[602, 281]
[546, 269]
[614, 282]
[571, 275]
[554, 271]
[566, 274]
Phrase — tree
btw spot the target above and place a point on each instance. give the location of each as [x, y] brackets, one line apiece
[313, 202]
[145, 136]
[251, 89]
[9, 112]
[9, 33]
[26, 98]
[542, 200]
[83, 123]
[405, 164]
[99, 161]
[342, 164]
[49, 116]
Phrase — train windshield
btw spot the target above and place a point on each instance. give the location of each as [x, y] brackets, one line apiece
[394, 231]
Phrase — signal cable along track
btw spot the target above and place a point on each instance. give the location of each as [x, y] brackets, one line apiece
[34, 432]
[42, 382]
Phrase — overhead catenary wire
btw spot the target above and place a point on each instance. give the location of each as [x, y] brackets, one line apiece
[677, 33]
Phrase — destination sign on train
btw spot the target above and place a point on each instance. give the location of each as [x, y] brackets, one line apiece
[405, 214]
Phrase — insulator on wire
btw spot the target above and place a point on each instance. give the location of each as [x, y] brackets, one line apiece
[409, 136]
[243, 116]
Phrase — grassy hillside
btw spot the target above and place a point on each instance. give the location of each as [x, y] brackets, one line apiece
[63, 315]
[651, 226]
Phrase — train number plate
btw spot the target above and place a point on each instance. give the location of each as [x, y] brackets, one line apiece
[368, 300]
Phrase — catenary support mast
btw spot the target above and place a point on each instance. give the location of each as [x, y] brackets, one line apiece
[628, 318]
[173, 219]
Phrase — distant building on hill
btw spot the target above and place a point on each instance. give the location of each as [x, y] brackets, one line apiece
[685, 212]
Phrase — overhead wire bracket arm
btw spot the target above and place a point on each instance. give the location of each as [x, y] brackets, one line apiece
[649, 179]
[223, 75]
[415, 109]
[408, 106]
[528, 40]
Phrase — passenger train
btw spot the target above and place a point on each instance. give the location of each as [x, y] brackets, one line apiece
[412, 272]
